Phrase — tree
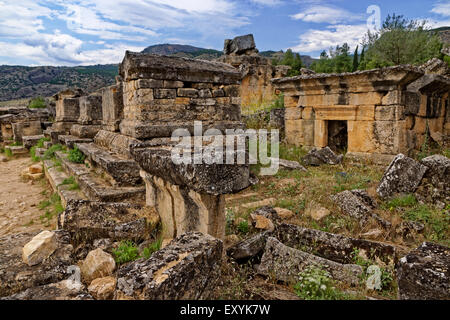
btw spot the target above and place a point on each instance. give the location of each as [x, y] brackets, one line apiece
[401, 41]
[290, 59]
[338, 60]
[355, 60]
[362, 59]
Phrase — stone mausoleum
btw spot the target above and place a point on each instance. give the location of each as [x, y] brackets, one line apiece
[373, 114]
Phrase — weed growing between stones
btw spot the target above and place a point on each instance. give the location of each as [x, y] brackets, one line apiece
[50, 152]
[317, 284]
[126, 252]
[53, 207]
[152, 248]
[71, 182]
[76, 156]
[8, 153]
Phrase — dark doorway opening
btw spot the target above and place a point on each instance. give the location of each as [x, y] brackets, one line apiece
[337, 135]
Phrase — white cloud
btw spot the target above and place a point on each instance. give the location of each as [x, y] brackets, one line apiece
[323, 14]
[315, 40]
[270, 3]
[442, 9]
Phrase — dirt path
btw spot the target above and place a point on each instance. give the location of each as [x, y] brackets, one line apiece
[19, 199]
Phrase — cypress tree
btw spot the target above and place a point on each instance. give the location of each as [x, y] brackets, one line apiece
[362, 63]
[355, 60]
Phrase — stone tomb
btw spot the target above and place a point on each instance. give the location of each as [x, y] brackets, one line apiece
[162, 94]
[366, 112]
[112, 106]
[90, 119]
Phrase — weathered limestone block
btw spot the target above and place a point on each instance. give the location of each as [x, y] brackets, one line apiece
[16, 276]
[91, 109]
[124, 172]
[239, 45]
[286, 264]
[31, 141]
[21, 129]
[214, 179]
[115, 142]
[98, 264]
[103, 288]
[187, 269]
[354, 205]
[424, 274]
[323, 156]
[333, 246]
[41, 247]
[402, 176]
[146, 66]
[183, 210]
[250, 247]
[85, 131]
[67, 110]
[64, 290]
[87, 221]
[112, 107]
[438, 173]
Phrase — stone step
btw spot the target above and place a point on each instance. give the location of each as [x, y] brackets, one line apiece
[31, 141]
[85, 131]
[69, 140]
[55, 175]
[123, 171]
[97, 188]
[52, 134]
[17, 150]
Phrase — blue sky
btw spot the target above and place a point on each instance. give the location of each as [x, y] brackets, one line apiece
[74, 32]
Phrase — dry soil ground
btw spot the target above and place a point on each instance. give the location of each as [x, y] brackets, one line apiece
[20, 199]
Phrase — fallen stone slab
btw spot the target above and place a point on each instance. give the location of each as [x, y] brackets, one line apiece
[286, 263]
[402, 176]
[250, 247]
[64, 290]
[17, 276]
[334, 247]
[41, 247]
[424, 274]
[87, 221]
[17, 150]
[187, 269]
[438, 174]
[318, 157]
[103, 288]
[291, 165]
[356, 206]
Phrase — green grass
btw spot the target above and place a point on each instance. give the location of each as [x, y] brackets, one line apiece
[243, 227]
[37, 103]
[436, 222]
[16, 144]
[71, 182]
[405, 201]
[50, 152]
[8, 153]
[148, 251]
[76, 156]
[126, 252]
[53, 207]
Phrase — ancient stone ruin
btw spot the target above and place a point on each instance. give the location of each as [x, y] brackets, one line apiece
[374, 114]
[256, 70]
[116, 148]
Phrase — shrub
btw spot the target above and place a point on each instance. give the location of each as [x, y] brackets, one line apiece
[126, 252]
[76, 156]
[50, 152]
[37, 103]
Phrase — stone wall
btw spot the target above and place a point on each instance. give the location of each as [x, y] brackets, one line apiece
[163, 93]
[376, 106]
[256, 70]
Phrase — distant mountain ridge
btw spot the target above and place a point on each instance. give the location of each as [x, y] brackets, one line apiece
[21, 82]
